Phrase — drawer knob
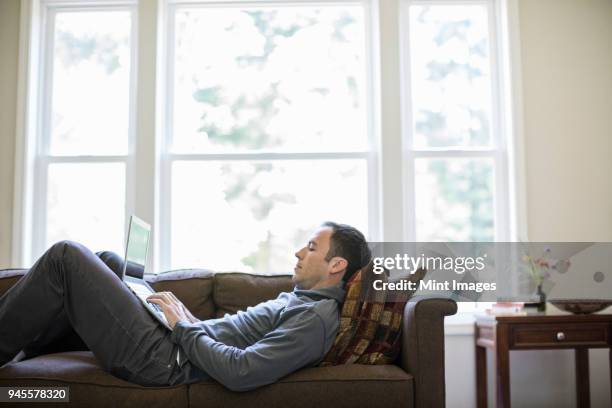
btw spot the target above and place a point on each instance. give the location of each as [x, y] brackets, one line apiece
[560, 336]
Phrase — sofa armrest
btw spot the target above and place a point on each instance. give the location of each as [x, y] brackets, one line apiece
[423, 347]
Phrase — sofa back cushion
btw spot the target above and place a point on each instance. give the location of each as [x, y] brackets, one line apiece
[234, 291]
[205, 293]
[193, 287]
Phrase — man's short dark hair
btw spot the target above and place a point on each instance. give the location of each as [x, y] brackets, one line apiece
[348, 243]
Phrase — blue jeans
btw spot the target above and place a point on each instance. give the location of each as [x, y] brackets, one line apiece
[72, 299]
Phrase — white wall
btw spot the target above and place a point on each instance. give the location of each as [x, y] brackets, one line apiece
[567, 94]
[566, 52]
[9, 49]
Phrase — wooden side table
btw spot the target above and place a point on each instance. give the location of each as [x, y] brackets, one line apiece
[538, 331]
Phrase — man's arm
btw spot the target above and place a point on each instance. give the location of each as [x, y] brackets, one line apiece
[295, 343]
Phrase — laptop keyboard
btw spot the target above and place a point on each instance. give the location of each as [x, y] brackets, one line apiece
[143, 292]
[156, 307]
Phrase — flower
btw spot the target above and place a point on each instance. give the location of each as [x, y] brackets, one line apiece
[539, 268]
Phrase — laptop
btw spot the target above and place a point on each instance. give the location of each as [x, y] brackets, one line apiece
[132, 275]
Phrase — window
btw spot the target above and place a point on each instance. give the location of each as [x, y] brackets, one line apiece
[268, 131]
[457, 148]
[248, 123]
[84, 128]
[454, 134]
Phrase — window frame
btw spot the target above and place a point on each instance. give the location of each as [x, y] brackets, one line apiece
[505, 148]
[370, 155]
[38, 121]
[497, 151]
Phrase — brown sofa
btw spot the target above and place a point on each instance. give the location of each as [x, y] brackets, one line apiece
[416, 380]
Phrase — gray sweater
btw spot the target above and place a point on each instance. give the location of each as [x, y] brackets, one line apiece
[264, 343]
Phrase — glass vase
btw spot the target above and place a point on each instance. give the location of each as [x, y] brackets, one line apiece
[541, 299]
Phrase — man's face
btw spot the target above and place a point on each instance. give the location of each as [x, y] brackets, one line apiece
[312, 267]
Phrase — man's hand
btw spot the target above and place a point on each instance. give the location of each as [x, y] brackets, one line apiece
[173, 309]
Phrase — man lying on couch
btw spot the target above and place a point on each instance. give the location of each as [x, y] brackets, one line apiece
[69, 289]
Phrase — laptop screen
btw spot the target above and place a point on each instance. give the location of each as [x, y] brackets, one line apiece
[137, 246]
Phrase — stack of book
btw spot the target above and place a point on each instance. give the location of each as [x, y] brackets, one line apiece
[500, 308]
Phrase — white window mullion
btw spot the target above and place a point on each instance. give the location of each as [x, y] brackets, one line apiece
[130, 182]
[452, 153]
[258, 3]
[165, 66]
[145, 137]
[270, 156]
[499, 138]
[511, 86]
[165, 215]
[43, 135]
[394, 210]
[44, 120]
[409, 196]
[448, 2]
[39, 208]
[500, 198]
[90, 5]
[83, 159]
[373, 98]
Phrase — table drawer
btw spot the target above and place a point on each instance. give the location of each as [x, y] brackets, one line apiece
[560, 335]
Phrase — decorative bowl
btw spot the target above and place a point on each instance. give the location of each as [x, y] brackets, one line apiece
[581, 306]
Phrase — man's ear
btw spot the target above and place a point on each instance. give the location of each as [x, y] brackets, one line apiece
[338, 264]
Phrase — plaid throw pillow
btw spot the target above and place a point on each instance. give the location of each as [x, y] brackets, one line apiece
[370, 322]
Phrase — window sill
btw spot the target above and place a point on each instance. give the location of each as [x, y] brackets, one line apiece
[461, 324]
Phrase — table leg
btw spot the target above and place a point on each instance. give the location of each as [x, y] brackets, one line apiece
[502, 352]
[481, 377]
[583, 397]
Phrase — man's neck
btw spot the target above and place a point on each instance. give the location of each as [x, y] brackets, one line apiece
[325, 284]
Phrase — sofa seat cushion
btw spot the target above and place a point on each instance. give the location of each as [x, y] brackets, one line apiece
[90, 385]
[384, 386]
